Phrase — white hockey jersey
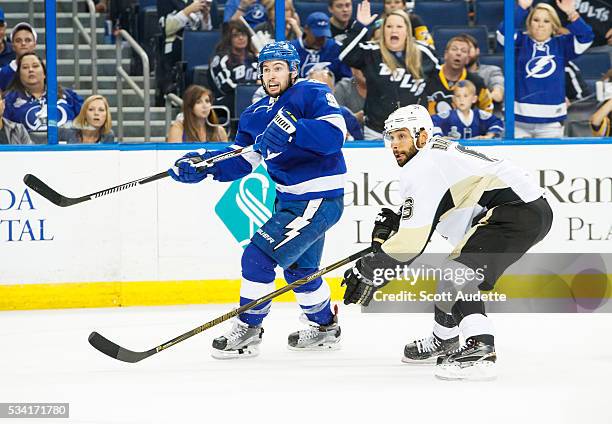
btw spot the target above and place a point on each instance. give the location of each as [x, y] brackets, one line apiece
[445, 186]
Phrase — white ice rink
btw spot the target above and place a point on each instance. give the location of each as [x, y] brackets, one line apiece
[552, 369]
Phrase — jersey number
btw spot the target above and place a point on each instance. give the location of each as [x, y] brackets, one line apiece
[474, 153]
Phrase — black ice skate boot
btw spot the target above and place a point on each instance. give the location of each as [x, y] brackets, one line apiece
[427, 350]
[241, 341]
[474, 361]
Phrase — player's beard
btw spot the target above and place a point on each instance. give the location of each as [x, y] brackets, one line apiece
[289, 84]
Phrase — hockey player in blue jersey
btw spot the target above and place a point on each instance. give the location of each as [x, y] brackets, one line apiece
[300, 132]
[541, 58]
[465, 120]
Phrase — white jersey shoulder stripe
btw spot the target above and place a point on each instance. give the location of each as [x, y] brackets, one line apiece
[331, 182]
[337, 121]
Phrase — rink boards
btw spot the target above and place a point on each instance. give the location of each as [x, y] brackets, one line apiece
[170, 243]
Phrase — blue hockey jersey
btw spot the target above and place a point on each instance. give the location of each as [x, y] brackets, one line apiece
[327, 57]
[32, 112]
[540, 78]
[313, 165]
[255, 13]
[478, 123]
[7, 72]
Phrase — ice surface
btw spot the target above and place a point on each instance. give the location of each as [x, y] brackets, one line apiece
[553, 368]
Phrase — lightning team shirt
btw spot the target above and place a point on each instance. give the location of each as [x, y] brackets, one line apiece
[476, 124]
[439, 92]
[327, 57]
[444, 187]
[28, 110]
[540, 77]
[313, 165]
[255, 14]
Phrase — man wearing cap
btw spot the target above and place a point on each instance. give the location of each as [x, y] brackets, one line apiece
[6, 50]
[23, 39]
[317, 49]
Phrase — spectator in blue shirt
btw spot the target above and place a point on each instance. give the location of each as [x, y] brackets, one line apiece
[26, 99]
[466, 120]
[317, 49]
[23, 40]
[254, 11]
[6, 49]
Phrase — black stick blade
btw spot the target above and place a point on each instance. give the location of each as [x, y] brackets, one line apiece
[115, 351]
[48, 193]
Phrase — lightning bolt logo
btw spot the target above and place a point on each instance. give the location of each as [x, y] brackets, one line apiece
[538, 64]
[294, 228]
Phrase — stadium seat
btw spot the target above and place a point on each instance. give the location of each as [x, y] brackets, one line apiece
[147, 3]
[593, 65]
[148, 24]
[375, 8]
[581, 110]
[438, 13]
[489, 13]
[578, 129]
[492, 59]
[198, 47]
[243, 96]
[444, 33]
[304, 9]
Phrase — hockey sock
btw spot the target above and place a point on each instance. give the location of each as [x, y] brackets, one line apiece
[445, 326]
[478, 327]
[313, 297]
[257, 281]
[473, 322]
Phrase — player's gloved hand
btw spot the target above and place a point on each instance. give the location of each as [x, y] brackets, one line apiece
[279, 132]
[185, 171]
[387, 222]
[360, 284]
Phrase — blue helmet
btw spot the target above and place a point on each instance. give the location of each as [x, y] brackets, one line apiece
[279, 50]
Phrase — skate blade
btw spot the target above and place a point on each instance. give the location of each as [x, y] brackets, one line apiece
[482, 371]
[317, 348]
[417, 362]
[245, 353]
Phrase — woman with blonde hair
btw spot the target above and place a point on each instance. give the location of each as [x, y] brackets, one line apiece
[199, 121]
[395, 67]
[92, 125]
[541, 58]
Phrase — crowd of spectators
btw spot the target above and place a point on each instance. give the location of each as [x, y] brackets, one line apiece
[373, 63]
[23, 96]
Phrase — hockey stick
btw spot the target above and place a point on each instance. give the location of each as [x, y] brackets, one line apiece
[53, 196]
[117, 352]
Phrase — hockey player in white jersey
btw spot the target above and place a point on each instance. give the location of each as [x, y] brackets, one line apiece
[491, 211]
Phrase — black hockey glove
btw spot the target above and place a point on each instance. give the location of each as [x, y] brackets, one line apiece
[386, 223]
[360, 284]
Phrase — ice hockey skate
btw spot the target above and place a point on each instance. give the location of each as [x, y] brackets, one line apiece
[426, 351]
[241, 341]
[315, 336]
[474, 361]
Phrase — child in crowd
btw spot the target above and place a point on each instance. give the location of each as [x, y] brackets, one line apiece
[467, 121]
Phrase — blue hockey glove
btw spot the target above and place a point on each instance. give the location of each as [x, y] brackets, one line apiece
[185, 171]
[279, 132]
